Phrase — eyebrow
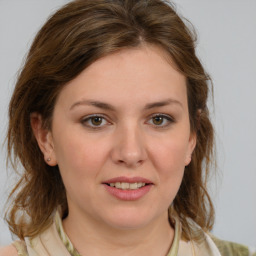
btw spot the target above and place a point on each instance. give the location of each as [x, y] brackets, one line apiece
[106, 106]
[163, 103]
[97, 104]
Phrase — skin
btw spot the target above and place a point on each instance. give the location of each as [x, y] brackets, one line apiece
[8, 251]
[127, 141]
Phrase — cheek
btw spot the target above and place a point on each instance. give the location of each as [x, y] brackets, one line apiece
[169, 161]
[81, 157]
[171, 155]
[79, 165]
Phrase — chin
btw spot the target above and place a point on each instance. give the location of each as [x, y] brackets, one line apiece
[128, 224]
[126, 220]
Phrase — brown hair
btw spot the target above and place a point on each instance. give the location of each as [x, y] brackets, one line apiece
[73, 38]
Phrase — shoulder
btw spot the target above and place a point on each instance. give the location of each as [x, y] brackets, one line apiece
[17, 248]
[9, 250]
[227, 248]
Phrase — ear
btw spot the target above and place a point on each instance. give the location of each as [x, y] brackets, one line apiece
[191, 147]
[44, 139]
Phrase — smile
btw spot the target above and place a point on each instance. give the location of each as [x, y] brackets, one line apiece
[127, 186]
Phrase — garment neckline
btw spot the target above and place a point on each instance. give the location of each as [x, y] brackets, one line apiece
[73, 252]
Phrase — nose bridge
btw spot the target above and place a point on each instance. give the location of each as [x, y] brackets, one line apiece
[129, 148]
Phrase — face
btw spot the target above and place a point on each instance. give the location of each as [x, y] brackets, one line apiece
[121, 138]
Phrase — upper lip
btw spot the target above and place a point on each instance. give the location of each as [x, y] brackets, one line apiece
[128, 180]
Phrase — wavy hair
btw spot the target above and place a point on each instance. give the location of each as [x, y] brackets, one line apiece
[73, 38]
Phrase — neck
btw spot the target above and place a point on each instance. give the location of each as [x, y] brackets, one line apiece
[152, 239]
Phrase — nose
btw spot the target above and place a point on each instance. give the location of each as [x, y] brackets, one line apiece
[129, 147]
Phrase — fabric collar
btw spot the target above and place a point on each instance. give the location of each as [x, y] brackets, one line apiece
[54, 241]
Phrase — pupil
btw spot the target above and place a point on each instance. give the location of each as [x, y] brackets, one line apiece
[158, 120]
[97, 120]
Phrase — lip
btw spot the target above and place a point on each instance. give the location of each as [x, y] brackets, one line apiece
[127, 194]
[128, 180]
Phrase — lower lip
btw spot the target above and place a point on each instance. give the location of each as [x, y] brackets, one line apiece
[128, 195]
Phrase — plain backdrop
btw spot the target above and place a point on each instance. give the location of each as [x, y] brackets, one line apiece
[226, 46]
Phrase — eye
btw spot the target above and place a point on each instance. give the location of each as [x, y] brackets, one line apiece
[94, 121]
[161, 120]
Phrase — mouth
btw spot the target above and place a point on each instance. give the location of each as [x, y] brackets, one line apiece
[127, 186]
[128, 183]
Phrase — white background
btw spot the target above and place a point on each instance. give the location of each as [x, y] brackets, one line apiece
[227, 48]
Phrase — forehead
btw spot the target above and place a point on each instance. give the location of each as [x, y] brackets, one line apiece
[134, 63]
[145, 73]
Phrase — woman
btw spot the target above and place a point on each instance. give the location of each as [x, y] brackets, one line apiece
[110, 122]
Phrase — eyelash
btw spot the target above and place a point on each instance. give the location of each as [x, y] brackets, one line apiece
[167, 118]
[89, 118]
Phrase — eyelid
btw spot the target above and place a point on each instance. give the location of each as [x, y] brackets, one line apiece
[88, 117]
[167, 117]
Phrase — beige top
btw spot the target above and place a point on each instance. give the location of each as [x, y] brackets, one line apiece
[55, 242]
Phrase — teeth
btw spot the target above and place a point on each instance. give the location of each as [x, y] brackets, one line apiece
[133, 186]
[125, 185]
